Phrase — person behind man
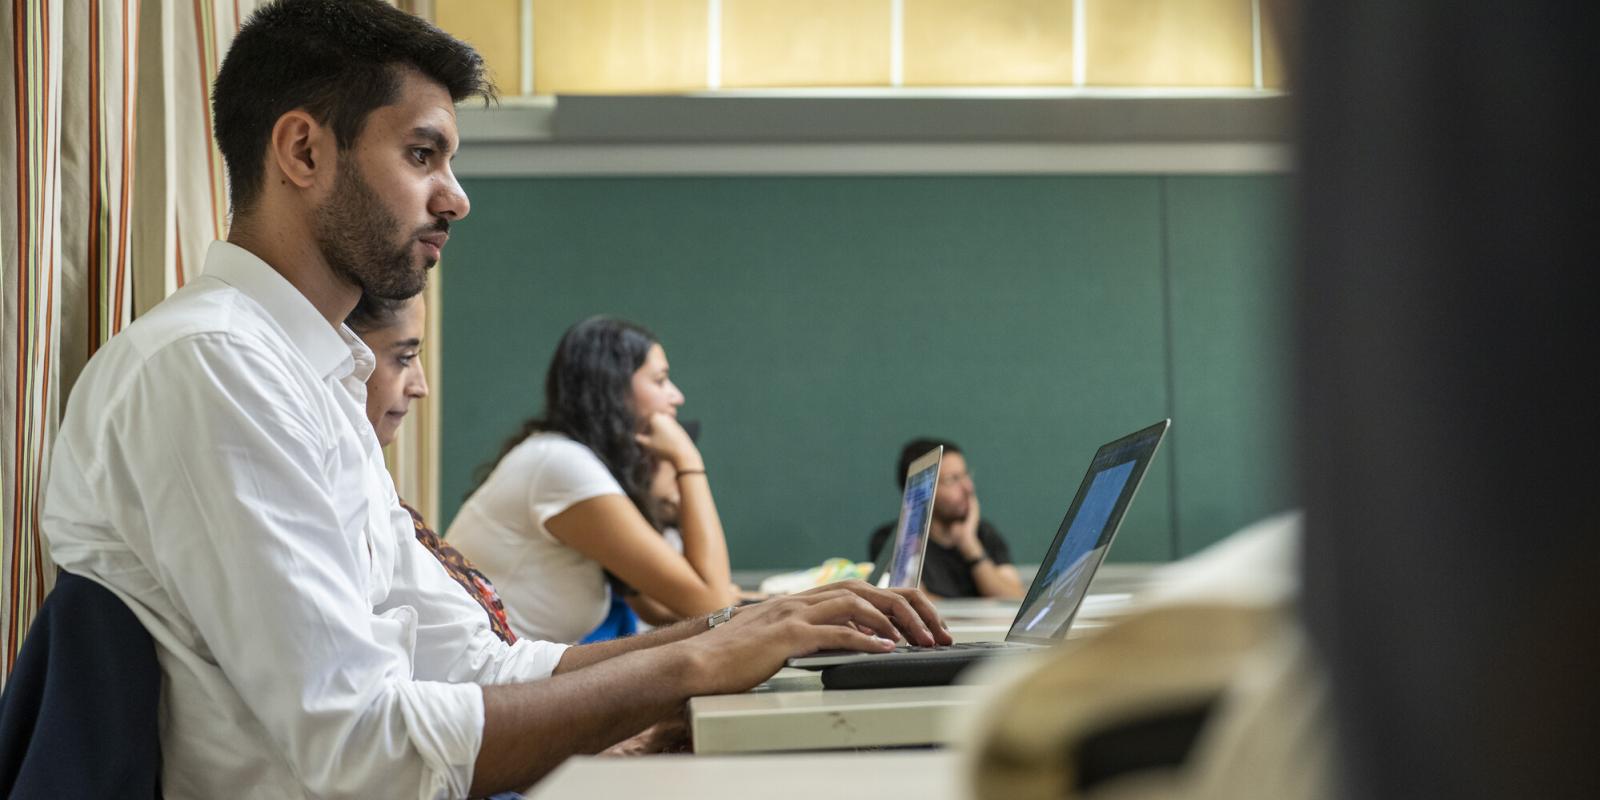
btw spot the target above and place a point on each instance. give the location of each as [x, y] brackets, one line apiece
[966, 555]
[392, 330]
[216, 470]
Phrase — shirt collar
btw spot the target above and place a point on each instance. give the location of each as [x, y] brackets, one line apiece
[328, 349]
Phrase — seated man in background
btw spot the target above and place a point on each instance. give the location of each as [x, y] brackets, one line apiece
[966, 555]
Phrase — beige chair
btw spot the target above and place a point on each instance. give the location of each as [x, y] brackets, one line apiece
[1208, 693]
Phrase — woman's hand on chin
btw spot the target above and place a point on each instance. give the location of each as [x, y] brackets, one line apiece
[667, 439]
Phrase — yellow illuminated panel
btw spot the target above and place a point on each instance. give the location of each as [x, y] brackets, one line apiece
[997, 43]
[619, 46]
[1274, 72]
[1168, 43]
[493, 27]
[777, 43]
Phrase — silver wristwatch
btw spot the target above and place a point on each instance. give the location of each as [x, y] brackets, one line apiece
[719, 617]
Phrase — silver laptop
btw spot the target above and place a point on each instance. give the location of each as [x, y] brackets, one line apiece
[899, 564]
[1081, 543]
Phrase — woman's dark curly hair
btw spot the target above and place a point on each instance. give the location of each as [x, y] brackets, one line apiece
[588, 397]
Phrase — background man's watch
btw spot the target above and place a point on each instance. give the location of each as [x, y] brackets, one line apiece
[719, 617]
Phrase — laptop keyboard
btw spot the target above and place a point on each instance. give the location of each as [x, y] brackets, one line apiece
[907, 648]
[969, 647]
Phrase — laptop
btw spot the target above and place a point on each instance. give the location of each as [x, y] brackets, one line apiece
[1046, 613]
[899, 564]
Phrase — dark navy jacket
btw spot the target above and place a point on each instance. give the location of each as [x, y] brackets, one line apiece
[78, 717]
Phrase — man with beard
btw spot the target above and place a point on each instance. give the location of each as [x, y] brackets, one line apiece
[215, 469]
[966, 556]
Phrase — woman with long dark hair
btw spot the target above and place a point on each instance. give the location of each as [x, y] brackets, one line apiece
[568, 499]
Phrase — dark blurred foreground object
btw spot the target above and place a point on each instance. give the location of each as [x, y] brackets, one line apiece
[1449, 272]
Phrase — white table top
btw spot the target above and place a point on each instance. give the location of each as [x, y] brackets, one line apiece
[792, 712]
[925, 775]
[800, 715]
[984, 620]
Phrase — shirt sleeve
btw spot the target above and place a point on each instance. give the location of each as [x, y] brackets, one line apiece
[454, 640]
[266, 556]
[569, 474]
[999, 552]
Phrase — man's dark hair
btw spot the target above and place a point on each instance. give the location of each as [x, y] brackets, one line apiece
[374, 313]
[915, 449]
[337, 59]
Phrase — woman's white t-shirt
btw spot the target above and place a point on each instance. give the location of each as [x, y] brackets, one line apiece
[551, 591]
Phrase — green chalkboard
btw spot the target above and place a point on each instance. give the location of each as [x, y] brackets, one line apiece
[817, 323]
[1230, 353]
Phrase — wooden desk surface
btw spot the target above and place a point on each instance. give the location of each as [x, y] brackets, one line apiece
[925, 775]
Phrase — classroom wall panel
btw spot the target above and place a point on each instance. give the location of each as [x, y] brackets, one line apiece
[1230, 354]
[817, 323]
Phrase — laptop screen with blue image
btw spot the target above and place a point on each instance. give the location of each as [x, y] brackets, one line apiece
[1085, 536]
[910, 542]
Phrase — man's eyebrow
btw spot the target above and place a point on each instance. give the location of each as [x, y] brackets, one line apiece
[435, 136]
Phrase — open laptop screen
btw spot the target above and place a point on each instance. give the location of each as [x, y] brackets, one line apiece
[1085, 536]
[916, 512]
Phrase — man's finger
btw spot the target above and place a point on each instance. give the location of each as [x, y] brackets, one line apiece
[848, 609]
[907, 619]
[839, 637]
[923, 608]
[912, 612]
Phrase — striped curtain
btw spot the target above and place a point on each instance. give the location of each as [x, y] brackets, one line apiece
[181, 196]
[30, 246]
[88, 241]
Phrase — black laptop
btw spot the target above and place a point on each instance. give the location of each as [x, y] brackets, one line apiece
[1046, 613]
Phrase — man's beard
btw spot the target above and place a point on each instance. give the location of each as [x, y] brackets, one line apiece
[355, 234]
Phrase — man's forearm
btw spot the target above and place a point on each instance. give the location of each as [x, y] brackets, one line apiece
[585, 655]
[994, 580]
[530, 728]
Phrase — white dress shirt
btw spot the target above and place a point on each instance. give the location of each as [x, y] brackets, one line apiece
[216, 469]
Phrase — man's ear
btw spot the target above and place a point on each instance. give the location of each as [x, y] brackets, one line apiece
[301, 149]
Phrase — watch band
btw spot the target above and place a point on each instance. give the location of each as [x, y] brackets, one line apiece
[973, 562]
[719, 617]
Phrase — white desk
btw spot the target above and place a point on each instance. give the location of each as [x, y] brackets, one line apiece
[810, 776]
[977, 619]
[793, 712]
[983, 620]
